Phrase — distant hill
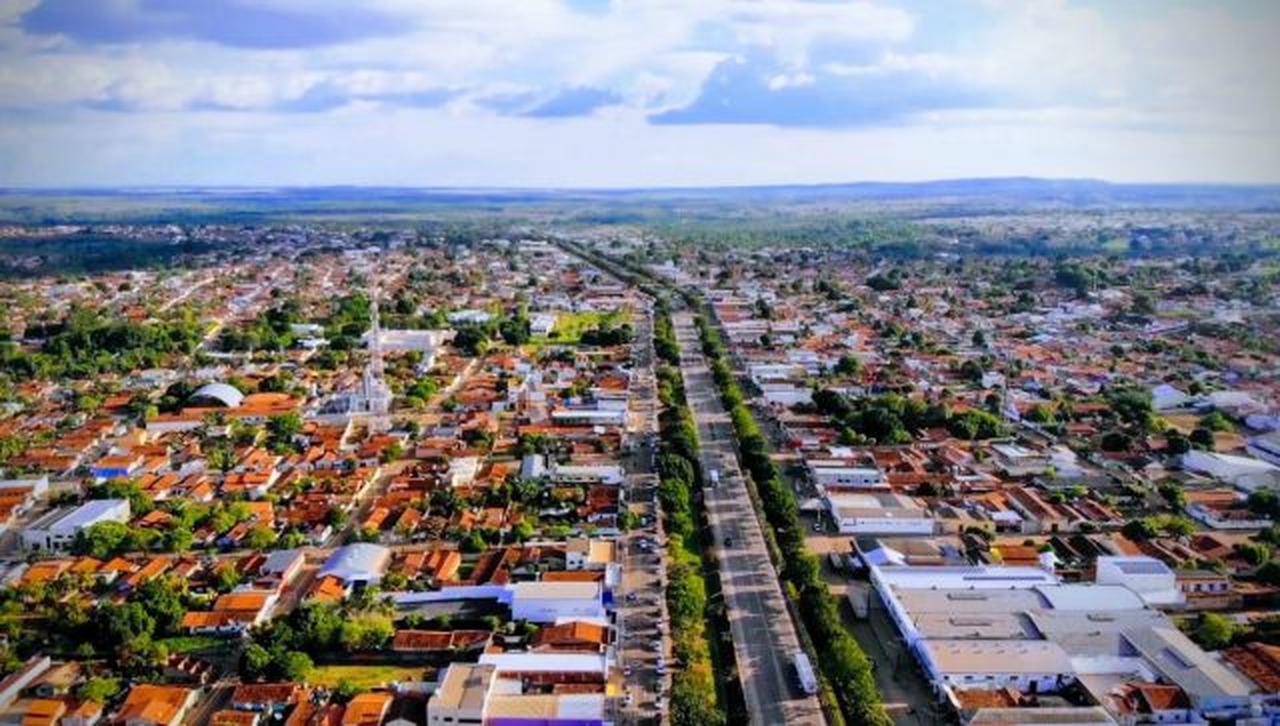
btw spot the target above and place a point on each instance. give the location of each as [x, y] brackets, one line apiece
[248, 203]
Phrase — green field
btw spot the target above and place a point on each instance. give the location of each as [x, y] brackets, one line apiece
[363, 676]
[196, 643]
[570, 326]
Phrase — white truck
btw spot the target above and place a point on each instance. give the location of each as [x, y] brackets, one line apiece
[804, 672]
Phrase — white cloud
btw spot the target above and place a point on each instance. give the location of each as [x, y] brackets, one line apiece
[1073, 89]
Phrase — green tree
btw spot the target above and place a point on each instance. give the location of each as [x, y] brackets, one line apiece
[1214, 631]
[97, 689]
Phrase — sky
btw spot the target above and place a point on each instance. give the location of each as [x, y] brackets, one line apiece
[626, 93]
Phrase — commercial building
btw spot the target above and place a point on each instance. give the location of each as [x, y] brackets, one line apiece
[357, 565]
[484, 694]
[550, 602]
[877, 513]
[1019, 632]
[55, 531]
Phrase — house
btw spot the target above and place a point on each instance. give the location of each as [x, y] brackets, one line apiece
[232, 613]
[462, 695]
[18, 681]
[367, 709]
[283, 565]
[55, 531]
[485, 693]
[584, 553]
[155, 705]
[542, 323]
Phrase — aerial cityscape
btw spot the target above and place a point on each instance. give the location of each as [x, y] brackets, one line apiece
[599, 362]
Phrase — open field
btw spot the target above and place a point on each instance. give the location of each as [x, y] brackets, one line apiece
[363, 676]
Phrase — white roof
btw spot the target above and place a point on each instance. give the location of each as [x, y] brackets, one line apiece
[976, 577]
[228, 395]
[356, 562]
[1091, 597]
[89, 514]
[998, 656]
[556, 590]
[547, 662]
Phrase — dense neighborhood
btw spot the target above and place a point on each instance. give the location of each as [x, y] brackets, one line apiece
[346, 474]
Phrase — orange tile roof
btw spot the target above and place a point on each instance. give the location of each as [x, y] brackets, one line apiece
[367, 709]
[150, 703]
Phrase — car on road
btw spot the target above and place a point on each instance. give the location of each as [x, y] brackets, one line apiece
[728, 541]
[633, 596]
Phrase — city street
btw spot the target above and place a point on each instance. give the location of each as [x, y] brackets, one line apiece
[764, 637]
[641, 611]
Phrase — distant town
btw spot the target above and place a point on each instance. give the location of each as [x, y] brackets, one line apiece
[585, 467]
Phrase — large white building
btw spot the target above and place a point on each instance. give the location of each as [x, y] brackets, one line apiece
[549, 602]
[1150, 578]
[55, 531]
[358, 564]
[877, 513]
[837, 473]
[484, 694]
[986, 628]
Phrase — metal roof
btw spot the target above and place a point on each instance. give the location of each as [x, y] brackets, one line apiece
[227, 395]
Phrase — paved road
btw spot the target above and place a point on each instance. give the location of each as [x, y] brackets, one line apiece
[763, 635]
[642, 617]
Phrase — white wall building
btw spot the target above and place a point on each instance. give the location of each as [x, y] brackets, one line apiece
[835, 473]
[878, 513]
[548, 602]
[1150, 578]
[55, 531]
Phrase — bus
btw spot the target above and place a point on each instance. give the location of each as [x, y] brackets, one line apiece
[804, 672]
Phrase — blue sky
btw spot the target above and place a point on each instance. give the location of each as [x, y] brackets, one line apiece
[634, 92]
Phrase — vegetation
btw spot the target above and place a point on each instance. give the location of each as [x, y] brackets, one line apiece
[87, 343]
[694, 696]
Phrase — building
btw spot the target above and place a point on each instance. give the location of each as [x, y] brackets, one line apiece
[1243, 472]
[877, 513]
[283, 565]
[585, 553]
[589, 417]
[357, 565]
[1030, 666]
[1016, 634]
[153, 705]
[55, 531]
[549, 602]
[827, 473]
[1150, 578]
[485, 694]
[462, 695]
[367, 709]
[542, 323]
[608, 474]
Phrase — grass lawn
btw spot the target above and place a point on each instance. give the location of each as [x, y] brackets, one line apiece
[196, 643]
[570, 326]
[363, 676]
